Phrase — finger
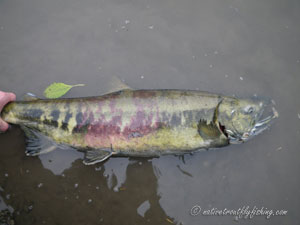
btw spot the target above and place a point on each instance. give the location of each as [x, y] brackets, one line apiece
[5, 98]
[3, 125]
[11, 96]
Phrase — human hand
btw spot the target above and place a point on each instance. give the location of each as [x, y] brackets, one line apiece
[5, 97]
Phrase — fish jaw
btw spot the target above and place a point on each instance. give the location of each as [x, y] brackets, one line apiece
[263, 121]
[261, 125]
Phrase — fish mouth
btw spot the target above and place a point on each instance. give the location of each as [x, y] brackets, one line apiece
[268, 113]
[261, 125]
[234, 137]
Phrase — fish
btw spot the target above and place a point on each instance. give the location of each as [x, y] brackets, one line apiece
[139, 123]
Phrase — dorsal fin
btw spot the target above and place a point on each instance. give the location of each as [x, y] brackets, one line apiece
[116, 84]
[30, 97]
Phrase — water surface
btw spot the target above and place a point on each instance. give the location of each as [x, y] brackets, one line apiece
[231, 47]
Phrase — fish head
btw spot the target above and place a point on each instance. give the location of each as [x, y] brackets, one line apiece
[242, 119]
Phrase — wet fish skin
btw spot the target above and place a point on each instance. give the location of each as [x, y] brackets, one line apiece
[135, 122]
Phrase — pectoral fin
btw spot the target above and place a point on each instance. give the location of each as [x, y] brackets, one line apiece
[93, 156]
[212, 133]
[208, 131]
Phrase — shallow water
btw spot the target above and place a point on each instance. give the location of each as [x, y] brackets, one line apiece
[231, 47]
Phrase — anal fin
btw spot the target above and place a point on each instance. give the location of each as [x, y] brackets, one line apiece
[37, 143]
[93, 156]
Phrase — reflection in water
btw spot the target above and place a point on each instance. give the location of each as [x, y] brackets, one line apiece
[115, 171]
[143, 208]
[59, 160]
[4, 206]
[6, 211]
[174, 185]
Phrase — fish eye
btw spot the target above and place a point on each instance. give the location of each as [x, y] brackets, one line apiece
[249, 110]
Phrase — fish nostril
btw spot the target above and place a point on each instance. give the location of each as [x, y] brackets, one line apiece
[246, 135]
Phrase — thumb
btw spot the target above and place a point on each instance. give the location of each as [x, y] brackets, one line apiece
[5, 98]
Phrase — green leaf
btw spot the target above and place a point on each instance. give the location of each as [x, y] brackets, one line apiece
[56, 90]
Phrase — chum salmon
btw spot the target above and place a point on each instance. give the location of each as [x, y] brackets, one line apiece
[138, 122]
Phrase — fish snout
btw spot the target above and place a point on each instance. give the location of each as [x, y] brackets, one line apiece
[264, 118]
